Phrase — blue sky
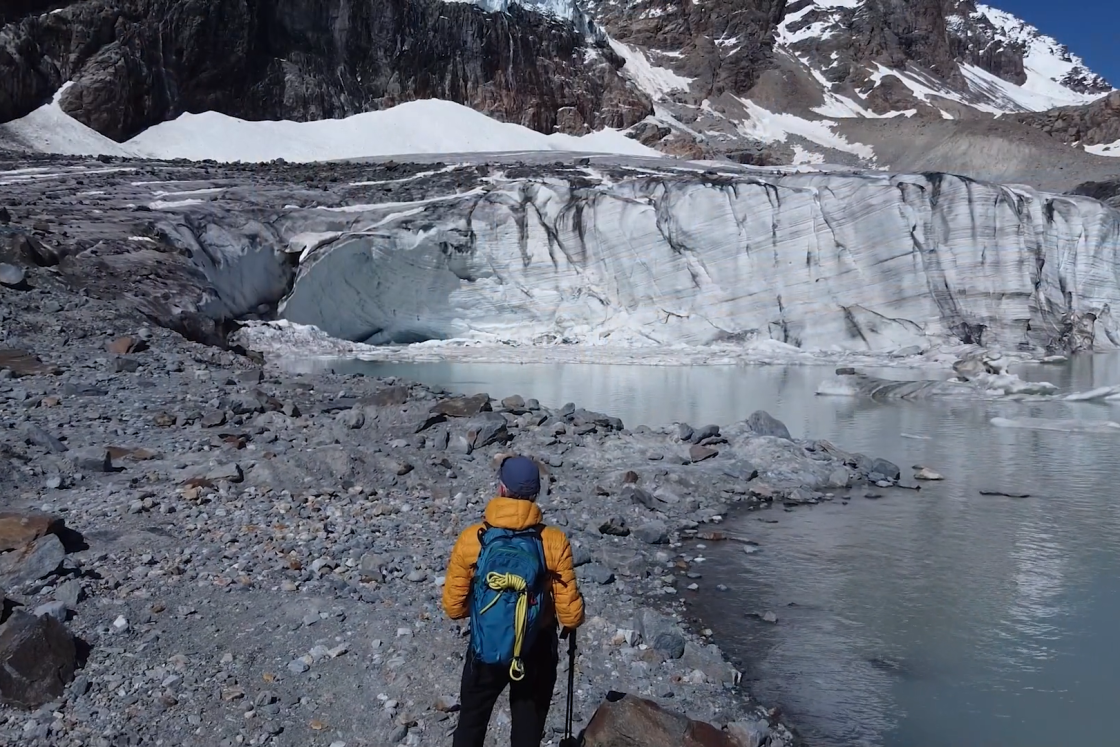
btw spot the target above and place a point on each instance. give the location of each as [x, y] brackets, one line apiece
[1090, 28]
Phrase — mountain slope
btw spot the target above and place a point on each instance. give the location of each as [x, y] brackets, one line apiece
[816, 65]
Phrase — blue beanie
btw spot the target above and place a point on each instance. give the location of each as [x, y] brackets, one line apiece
[521, 477]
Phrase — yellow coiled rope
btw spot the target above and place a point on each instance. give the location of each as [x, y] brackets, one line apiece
[502, 582]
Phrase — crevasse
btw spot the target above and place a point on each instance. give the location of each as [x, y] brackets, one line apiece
[859, 262]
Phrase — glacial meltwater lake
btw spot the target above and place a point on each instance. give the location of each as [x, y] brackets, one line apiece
[940, 618]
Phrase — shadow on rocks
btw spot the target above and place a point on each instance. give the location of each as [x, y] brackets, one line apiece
[72, 540]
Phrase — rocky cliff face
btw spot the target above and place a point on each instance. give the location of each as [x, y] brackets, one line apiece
[949, 45]
[722, 44]
[139, 62]
[1097, 123]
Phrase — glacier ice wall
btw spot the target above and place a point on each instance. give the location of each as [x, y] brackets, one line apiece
[861, 262]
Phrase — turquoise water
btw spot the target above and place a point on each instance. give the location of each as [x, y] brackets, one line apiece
[940, 617]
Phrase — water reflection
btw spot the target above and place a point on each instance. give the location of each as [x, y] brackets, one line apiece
[941, 617]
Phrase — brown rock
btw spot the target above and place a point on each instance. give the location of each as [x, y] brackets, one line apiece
[163, 420]
[630, 478]
[132, 453]
[627, 721]
[127, 344]
[37, 660]
[463, 407]
[698, 453]
[390, 396]
[21, 529]
[23, 363]
[514, 402]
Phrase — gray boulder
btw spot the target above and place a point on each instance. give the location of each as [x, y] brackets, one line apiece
[660, 632]
[653, 533]
[889, 470]
[40, 559]
[37, 660]
[11, 276]
[487, 428]
[763, 423]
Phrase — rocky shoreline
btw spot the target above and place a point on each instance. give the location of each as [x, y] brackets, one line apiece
[254, 557]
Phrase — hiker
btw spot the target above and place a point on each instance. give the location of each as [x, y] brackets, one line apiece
[513, 576]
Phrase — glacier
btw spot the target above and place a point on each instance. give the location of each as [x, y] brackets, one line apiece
[657, 256]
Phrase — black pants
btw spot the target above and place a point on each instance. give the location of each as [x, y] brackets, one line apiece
[529, 698]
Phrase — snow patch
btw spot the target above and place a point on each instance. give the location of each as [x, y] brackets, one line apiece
[771, 127]
[1037, 95]
[425, 126]
[653, 80]
[1105, 149]
[48, 129]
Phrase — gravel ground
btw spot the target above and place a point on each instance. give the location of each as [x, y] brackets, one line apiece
[261, 552]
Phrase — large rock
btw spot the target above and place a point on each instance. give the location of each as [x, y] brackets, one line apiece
[887, 469]
[11, 276]
[37, 660]
[660, 632]
[462, 407]
[307, 61]
[487, 428]
[41, 558]
[628, 721]
[23, 363]
[765, 424]
[18, 529]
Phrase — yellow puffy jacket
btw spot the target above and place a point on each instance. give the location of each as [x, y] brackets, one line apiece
[514, 513]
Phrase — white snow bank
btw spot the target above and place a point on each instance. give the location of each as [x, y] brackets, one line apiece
[48, 129]
[771, 127]
[653, 80]
[426, 126]
[1105, 149]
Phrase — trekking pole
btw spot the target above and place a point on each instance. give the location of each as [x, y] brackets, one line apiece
[569, 740]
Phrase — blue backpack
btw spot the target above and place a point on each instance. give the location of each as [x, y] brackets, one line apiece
[508, 594]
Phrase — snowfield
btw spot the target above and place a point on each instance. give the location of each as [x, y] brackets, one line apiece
[425, 126]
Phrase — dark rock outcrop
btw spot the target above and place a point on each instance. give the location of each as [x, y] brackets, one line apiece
[37, 660]
[723, 44]
[1096, 123]
[1106, 191]
[136, 63]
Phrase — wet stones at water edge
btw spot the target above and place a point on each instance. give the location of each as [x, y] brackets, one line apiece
[882, 470]
[765, 424]
[925, 473]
